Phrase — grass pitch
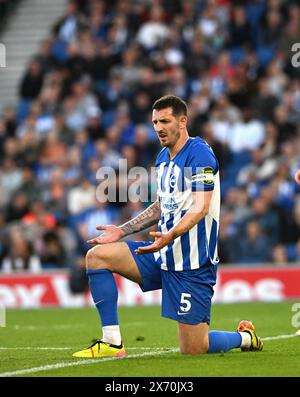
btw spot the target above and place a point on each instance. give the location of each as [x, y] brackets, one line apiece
[39, 343]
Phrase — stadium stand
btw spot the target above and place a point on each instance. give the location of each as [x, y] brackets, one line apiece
[85, 99]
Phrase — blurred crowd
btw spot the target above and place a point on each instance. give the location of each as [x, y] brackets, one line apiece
[85, 102]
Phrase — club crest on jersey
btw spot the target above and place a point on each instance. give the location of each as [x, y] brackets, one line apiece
[205, 175]
[172, 180]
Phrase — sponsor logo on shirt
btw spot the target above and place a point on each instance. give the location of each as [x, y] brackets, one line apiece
[169, 204]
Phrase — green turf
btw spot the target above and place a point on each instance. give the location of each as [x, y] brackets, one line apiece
[145, 332]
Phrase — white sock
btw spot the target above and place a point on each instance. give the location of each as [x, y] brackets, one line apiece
[246, 339]
[111, 334]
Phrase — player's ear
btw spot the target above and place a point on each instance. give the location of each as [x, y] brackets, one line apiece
[182, 121]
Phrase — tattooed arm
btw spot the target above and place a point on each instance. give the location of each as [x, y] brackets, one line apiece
[144, 220]
[114, 233]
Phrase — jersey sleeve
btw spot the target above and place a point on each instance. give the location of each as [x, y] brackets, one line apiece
[203, 166]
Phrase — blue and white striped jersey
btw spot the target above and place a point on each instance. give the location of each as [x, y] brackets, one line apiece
[194, 168]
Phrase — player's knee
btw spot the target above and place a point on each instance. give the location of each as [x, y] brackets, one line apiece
[194, 352]
[201, 348]
[96, 258]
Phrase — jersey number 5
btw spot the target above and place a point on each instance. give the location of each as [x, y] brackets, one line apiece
[184, 300]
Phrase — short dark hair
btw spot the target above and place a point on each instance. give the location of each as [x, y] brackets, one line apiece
[177, 104]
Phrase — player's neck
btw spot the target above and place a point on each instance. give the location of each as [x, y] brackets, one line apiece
[178, 145]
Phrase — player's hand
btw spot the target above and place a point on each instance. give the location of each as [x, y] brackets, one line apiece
[111, 234]
[297, 177]
[161, 240]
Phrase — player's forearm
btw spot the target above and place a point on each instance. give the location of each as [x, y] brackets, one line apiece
[144, 220]
[188, 221]
[198, 210]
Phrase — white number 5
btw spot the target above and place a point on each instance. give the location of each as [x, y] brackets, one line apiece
[184, 300]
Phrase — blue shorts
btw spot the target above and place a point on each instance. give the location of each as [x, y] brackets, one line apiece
[186, 295]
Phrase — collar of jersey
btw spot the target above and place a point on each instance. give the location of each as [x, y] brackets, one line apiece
[181, 150]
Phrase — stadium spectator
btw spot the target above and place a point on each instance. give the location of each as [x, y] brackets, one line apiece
[279, 255]
[68, 25]
[29, 187]
[247, 134]
[154, 31]
[17, 207]
[290, 227]
[32, 81]
[240, 32]
[264, 102]
[261, 168]
[81, 197]
[52, 253]
[254, 247]
[20, 254]
[6, 8]
[10, 180]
